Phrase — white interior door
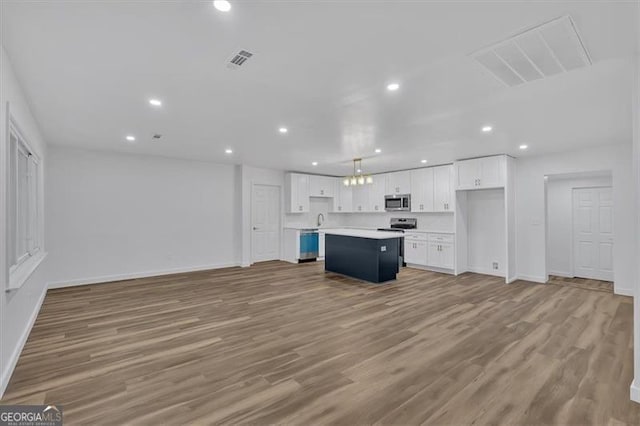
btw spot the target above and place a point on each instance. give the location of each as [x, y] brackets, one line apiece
[593, 233]
[265, 223]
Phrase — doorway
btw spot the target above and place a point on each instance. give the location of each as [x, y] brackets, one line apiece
[593, 233]
[265, 223]
[579, 227]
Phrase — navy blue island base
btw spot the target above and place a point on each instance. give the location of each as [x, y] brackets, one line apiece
[369, 259]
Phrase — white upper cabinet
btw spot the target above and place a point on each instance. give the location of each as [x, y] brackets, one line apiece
[480, 173]
[377, 191]
[360, 198]
[444, 193]
[296, 193]
[321, 186]
[422, 190]
[343, 197]
[398, 183]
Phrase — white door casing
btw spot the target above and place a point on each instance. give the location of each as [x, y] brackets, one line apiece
[265, 223]
[593, 233]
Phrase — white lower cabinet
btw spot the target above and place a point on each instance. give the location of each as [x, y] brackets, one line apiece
[440, 251]
[415, 248]
[415, 252]
[430, 250]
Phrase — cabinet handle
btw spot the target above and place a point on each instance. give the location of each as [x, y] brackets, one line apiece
[322, 192]
[300, 208]
[339, 208]
[375, 208]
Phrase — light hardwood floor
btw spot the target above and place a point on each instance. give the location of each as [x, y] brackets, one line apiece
[281, 343]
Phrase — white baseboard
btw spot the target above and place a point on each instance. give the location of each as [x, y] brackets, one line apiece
[486, 271]
[431, 268]
[634, 392]
[135, 275]
[13, 359]
[623, 292]
[532, 278]
[561, 274]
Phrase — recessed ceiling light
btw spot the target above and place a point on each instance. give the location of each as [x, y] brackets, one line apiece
[315, 163]
[155, 102]
[131, 138]
[378, 151]
[393, 86]
[222, 5]
[423, 161]
[487, 129]
[228, 151]
[283, 130]
[524, 146]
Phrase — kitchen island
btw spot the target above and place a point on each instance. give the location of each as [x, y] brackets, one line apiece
[364, 254]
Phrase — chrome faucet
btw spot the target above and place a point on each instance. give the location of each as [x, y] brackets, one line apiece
[320, 219]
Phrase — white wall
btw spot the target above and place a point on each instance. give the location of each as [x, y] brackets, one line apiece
[530, 209]
[115, 216]
[486, 228]
[560, 219]
[635, 195]
[18, 308]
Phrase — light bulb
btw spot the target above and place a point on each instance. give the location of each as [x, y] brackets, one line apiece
[361, 180]
[346, 182]
[369, 179]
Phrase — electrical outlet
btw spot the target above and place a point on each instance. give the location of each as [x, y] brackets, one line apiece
[495, 265]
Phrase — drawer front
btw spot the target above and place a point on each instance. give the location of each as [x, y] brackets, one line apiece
[408, 236]
[441, 238]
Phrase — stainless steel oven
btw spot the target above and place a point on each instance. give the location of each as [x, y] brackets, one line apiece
[396, 203]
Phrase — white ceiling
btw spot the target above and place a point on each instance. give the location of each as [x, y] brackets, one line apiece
[319, 68]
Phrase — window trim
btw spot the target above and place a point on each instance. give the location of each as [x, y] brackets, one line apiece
[35, 253]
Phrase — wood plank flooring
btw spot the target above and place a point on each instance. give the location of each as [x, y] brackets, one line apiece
[584, 283]
[289, 344]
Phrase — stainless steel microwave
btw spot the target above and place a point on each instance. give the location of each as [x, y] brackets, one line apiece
[394, 203]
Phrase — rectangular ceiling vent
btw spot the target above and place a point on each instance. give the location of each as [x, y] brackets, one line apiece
[551, 48]
[237, 60]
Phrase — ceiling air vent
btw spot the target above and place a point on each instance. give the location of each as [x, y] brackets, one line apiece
[551, 48]
[238, 59]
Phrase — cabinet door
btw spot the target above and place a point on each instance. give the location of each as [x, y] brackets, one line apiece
[433, 254]
[422, 188]
[398, 183]
[468, 173]
[446, 255]
[492, 172]
[342, 199]
[415, 252]
[376, 194]
[443, 189]
[302, 182]
[361, 198]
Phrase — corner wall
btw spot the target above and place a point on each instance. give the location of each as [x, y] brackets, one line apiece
[18, 308]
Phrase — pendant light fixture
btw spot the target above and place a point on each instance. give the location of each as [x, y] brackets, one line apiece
[357, 178]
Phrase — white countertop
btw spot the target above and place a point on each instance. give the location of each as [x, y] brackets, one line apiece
[355, 228]
[363, 233]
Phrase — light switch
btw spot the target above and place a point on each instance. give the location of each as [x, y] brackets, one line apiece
[383, 248]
